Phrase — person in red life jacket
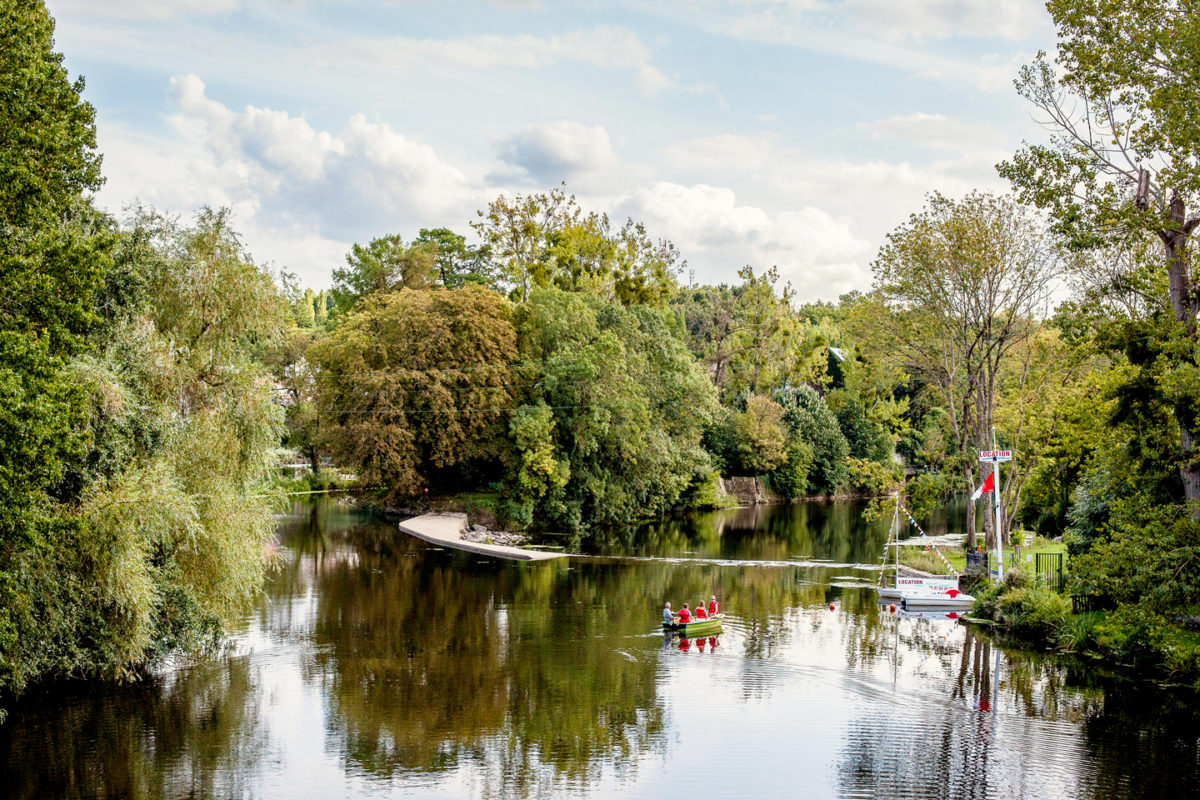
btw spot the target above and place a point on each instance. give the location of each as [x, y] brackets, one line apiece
[700, 613]
[714, 607]
[685, 616]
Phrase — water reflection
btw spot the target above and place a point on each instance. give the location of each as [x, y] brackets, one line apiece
[377, 664]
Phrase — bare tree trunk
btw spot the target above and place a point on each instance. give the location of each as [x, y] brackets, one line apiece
[1184, 304]
[970, 508]
[314, 460]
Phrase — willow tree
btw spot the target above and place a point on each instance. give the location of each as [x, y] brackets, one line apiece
[1120, 102]
[964, 281]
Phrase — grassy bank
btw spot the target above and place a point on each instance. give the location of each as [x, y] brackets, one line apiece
[925, 560]
[1131, 638]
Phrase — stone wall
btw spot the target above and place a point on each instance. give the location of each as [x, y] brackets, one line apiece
[748, 491]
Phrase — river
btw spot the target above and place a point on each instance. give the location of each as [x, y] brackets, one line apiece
[377, 666]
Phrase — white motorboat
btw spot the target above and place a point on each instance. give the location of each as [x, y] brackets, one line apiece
[916, 583]
[924, 598]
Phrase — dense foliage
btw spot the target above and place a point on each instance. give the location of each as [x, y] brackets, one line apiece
[413, 386]
[135, 420]
[152, 370]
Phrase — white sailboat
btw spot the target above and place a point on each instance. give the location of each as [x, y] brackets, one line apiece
[916, 587]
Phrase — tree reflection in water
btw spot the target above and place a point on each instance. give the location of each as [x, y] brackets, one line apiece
[435, 672]
[433, 660]
[166, 737]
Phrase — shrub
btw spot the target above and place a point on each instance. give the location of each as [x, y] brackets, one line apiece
[1032, 612]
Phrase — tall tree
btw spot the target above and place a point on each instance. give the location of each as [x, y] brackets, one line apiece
[964, 281]
[1123, 159]
[414, 384]
[382, 265]
[54, 250]
[599, 435]
[458, 263]
[546, 239]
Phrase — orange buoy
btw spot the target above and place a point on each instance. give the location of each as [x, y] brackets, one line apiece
[892, 608]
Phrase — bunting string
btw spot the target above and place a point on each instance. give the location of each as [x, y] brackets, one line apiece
[925, 537]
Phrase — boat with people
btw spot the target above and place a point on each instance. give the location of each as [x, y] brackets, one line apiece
[697, 627]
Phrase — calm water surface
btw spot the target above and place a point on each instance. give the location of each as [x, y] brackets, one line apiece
[377, 666]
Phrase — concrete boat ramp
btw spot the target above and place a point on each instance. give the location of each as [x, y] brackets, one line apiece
[446, 530]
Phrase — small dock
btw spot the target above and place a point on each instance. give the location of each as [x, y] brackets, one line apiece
[446, 530]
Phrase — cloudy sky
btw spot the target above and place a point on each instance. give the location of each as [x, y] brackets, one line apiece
[786, 132]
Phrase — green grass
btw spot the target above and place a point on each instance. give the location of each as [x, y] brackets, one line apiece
[927, 561]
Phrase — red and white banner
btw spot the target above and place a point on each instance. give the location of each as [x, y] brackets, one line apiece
[985, 487]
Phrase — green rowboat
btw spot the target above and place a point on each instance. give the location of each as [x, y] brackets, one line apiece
[697, 627]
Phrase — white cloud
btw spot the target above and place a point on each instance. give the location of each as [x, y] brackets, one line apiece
[819, 254]
[302, 192]
[887, 32]
[724, 152]
[607, 46]
[556, 151]
[921, 20]
[142, 9]
[940, 132]
[604, 46]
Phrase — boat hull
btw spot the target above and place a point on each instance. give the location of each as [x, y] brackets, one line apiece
[703, 627]
[918, 600]
[915, 584]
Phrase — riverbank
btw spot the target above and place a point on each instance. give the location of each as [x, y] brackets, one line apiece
[1127, 639]
[916, 556]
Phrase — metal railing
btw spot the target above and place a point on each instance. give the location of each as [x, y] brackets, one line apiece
[1050, 569]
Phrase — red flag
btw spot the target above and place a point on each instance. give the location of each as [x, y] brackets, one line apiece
[987, 486]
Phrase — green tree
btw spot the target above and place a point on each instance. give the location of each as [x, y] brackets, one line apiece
[865, 437]
[790, 479]
[749, 336]
[810, 420]
[384, 264]
[164, 537]
[414, 384]
[963, 282]
[304, 309]
[762, 438]
[1123, 161]
[546, 239]
[458, 263]
[321, 307]
[54, 255]
[616, 379]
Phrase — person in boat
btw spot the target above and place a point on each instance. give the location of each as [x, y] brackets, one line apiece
[714, 607]
[668, 615]
[700, 612]
[685, 616]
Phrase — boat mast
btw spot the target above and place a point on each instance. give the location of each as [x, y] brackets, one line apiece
[996, 509]
[896, 536]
